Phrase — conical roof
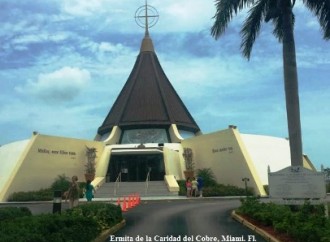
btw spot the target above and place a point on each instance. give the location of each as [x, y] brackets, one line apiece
[148, 99]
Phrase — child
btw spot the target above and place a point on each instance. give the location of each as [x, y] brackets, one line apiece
[188, 187]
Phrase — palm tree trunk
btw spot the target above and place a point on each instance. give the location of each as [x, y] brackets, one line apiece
[291, 85]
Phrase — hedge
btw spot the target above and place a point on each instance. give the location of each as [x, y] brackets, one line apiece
[61, 183]
[217, 190]
[305, 223]
[80, 224]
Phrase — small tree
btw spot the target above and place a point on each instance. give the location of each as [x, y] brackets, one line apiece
[91, 156]
[188, 158]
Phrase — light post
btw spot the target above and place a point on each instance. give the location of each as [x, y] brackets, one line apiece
[57, 202]
[245, 180]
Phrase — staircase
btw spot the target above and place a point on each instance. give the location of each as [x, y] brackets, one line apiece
[155, 188]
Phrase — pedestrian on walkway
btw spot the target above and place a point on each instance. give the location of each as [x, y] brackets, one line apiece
[194, 185]
[188, 187]
[200, 186]
[73, 192]
[89, 191]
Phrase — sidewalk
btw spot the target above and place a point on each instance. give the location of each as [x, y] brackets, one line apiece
[39, 207]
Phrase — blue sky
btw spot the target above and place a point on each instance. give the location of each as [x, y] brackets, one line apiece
[63, 63]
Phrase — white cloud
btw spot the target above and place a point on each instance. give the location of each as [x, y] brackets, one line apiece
[61, 85]
[185, 16]
[212, 74]
[82, 7]
[109, 47]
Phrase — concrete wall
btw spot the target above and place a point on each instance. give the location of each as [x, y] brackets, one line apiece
[267, 151]
[9, 155]
[173, 161]
[224, 152]
[45, 158]
[270, 151]
[35, 163]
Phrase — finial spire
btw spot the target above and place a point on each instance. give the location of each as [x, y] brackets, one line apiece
[146, 16]
[149, 14]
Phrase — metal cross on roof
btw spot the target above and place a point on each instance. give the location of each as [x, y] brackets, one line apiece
[146, 17]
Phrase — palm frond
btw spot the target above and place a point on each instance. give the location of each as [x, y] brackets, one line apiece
[321, 8]
[273, 10]
[225, 10]
[251, 26]
[278, 27]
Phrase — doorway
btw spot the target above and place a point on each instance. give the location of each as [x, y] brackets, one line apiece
[134, 168]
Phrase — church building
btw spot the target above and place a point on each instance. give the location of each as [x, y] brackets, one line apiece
[145, 136]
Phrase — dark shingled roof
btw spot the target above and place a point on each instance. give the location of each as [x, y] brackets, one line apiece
[148, 99]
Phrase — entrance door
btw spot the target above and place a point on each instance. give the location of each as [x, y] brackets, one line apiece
[136, 167]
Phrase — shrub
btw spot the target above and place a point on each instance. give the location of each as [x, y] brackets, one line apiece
[215, 190]
[106, 215]
[61, 183]
[9, 213]
[80, 224]
[47, 194]
[40, 195]
[182, 187]
[50, 227]
[225, 190]
[207, 176]
[304, 223]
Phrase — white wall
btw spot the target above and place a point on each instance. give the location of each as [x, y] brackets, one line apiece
[173, 162]
[9, 155]
[43, 159]
[226, 155]
[267, 151]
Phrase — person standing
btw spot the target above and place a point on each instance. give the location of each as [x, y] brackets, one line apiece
[194, 185]
[188, 187]
[200, 186]
[73, 192]
[89, 191]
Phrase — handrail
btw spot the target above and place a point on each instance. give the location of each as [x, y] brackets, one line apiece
[117, 182]
[147, 181]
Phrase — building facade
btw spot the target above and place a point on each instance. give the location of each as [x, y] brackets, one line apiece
[144, 134]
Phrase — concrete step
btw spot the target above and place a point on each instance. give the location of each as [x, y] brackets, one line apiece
[155, 188]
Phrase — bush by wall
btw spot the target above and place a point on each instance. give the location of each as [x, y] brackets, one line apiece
[217, 190]
[182, 187]
[212, 188]
[226, 190]
[40, 195]
[60, 183]
[208, 177]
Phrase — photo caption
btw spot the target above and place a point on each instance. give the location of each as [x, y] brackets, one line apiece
[183, 238]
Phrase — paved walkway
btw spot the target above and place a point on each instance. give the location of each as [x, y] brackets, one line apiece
[184, 220]
[47, 206]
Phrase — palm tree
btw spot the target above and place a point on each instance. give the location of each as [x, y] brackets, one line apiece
[279, 12]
